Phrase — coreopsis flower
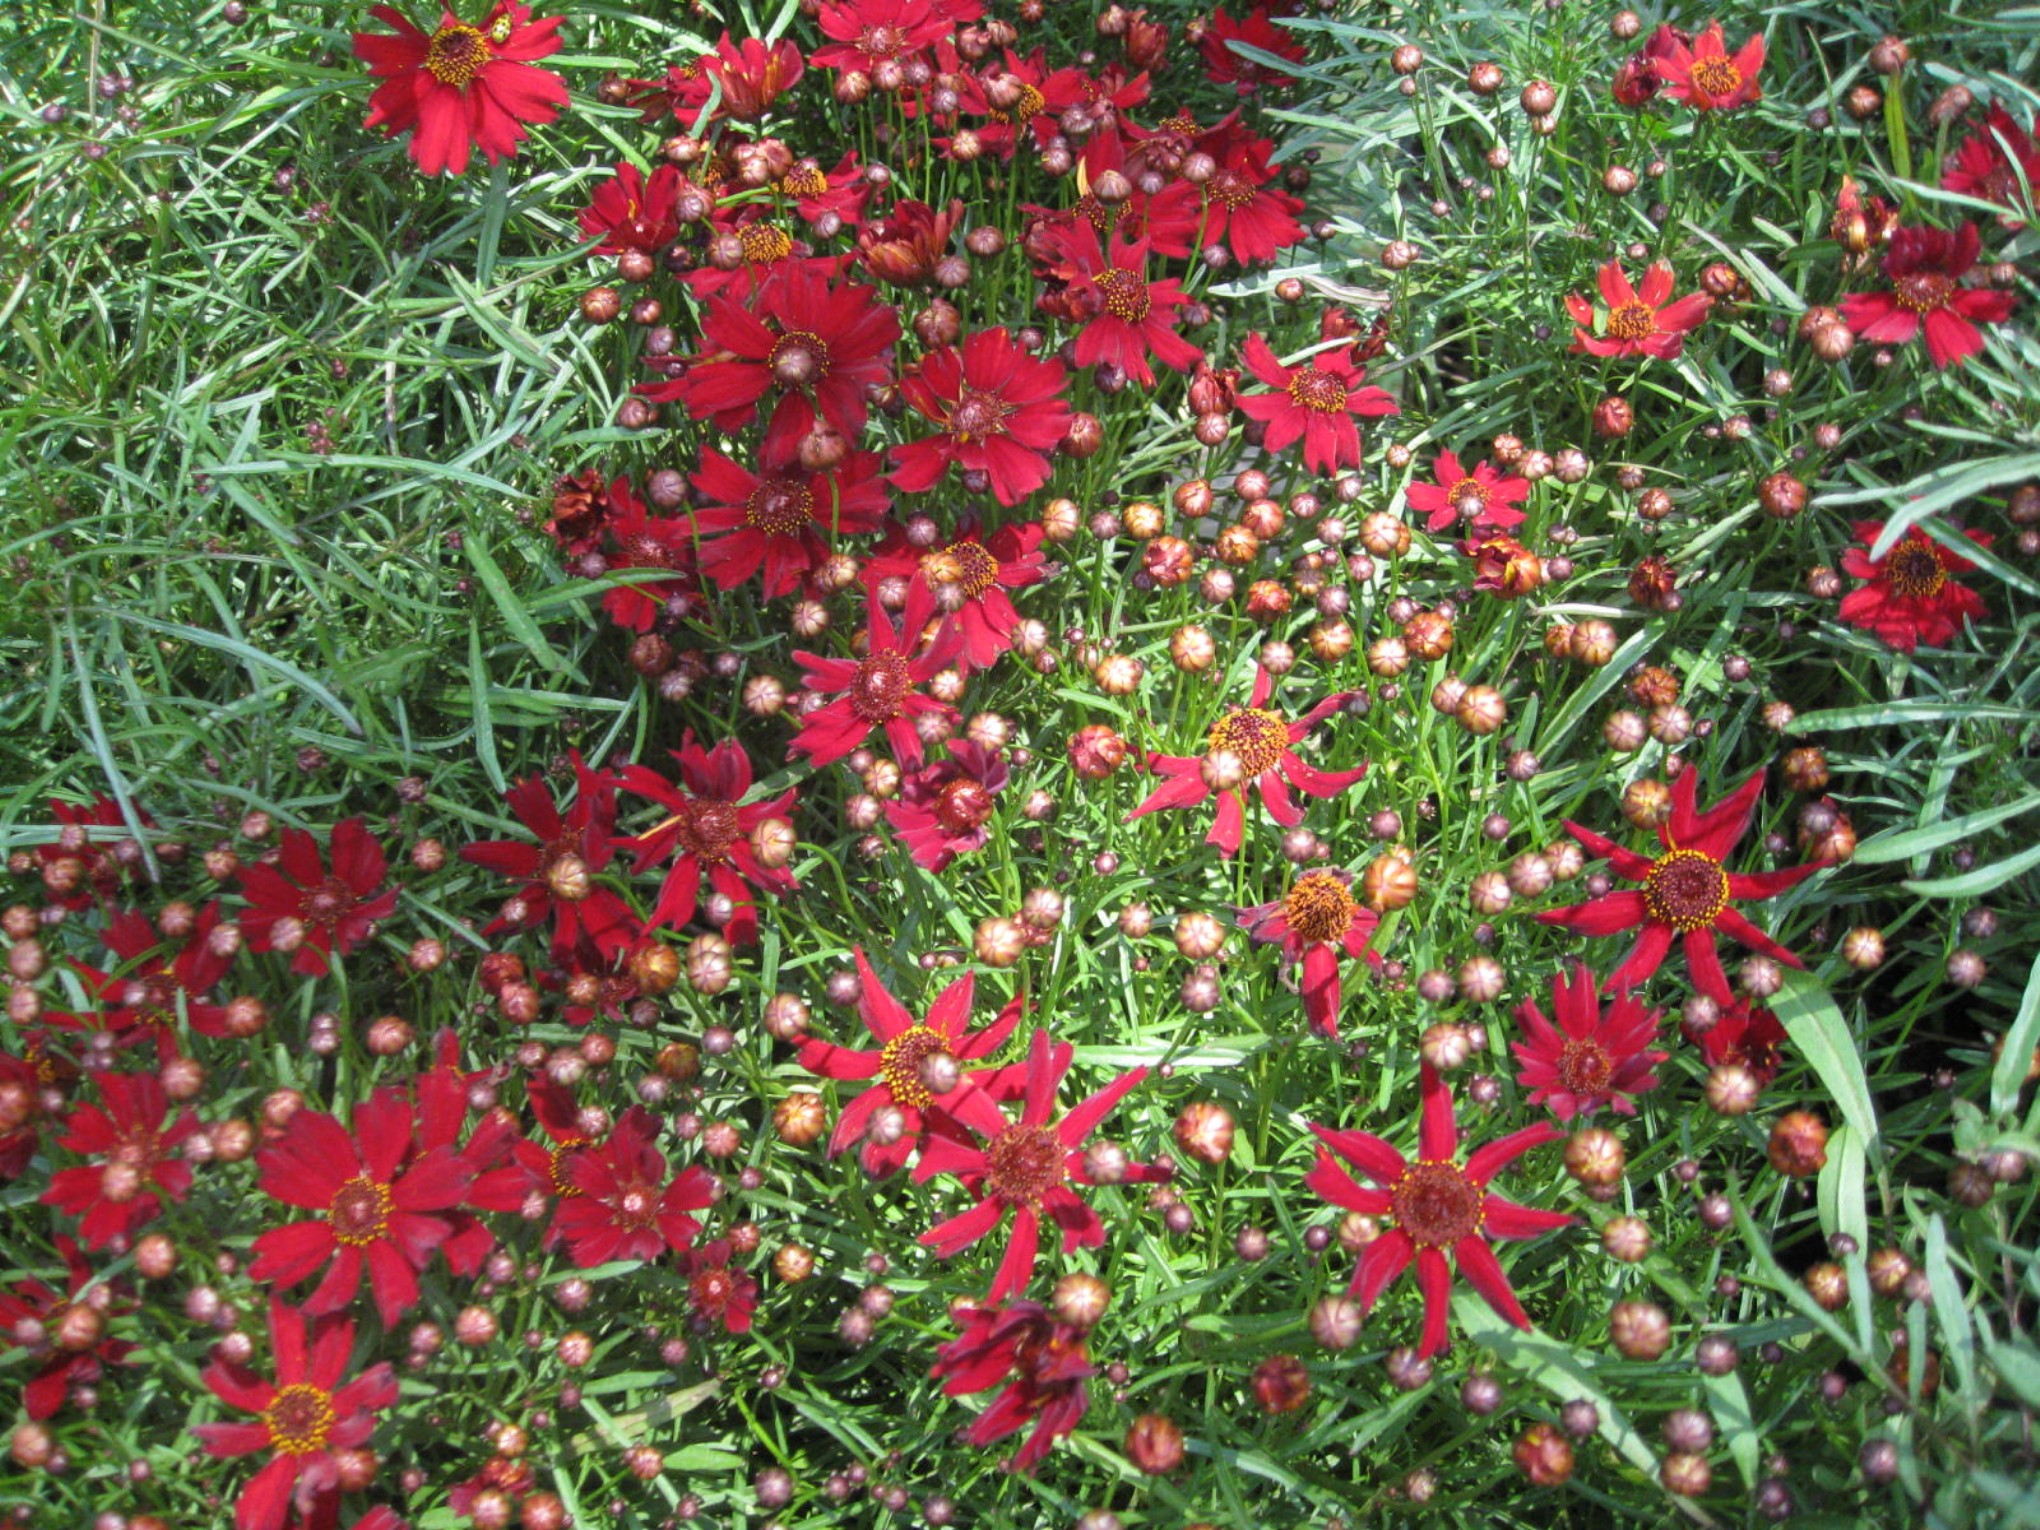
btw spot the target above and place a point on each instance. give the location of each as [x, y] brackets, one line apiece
[1742, 1033]
[904, 1044]
[1907, 596]
[1991, 162]
[307, 1414]
[969, 577]
[1593, 1058]
[753, 74]
[1639, 321]
[880, 690]
[135, 1143]
[1925, 267]
[632, 211]
[781, 519]
[1242, 208]
[1125, 317]
[1861, 225]
[539, 1172]
[627, 1209]
[1315, 403]
[329, 913]
[581, 508]
[1638, 79]
[637, 539]
[442, 1097]
[817, 193]
[1265, 746]
[1482, 498]
[1025, 97]
[461, 88]
[1316, 922]
[718, 1293]
[140, 1000]
[378, 1199]
[1025, 1167]
[1502, 565]
[763, 250]
[558, 873]
[707, 831]
[64, 1352]
[942, 809]
[1706, 76]
[999, 412]
[21, 1114]
[1042, 1365]
[905, 246]
[1687, 893]
[1257, 30]
[79, 866]
[1436, 1205]
[865, 34]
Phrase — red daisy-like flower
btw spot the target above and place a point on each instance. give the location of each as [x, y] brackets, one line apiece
[58, 1333]
[1706, 76]
[1593, 1058]
[942, 810]
[1256, 30]
[80, 864]
[879, 690]
[1125, 317]
[298, 905]
[307, 1414]
[906, 244]
[140, 1000]
[462, 87]
[817, 193]
[1265, 747]
[640, 540]
[1241, 206]
[135, 1142]
[708, 832]
[1742, 1033]
[1025, 97]
[762, 249]
[868, 35]
[1483, 499]
[1925, 267]
[1168, 219]
[1907, 596]
[626, 1208]
[782, 519]
[905, 1044]
[1687, 890]
[718, 1293]
[539, 1172]
[1042, 1365]
[999, 414]
[378, 1196]
[444, 1097]
[753, 75]
[559, 871]
[969, 579]
[1639, 322]
[1314, 403]
[1314, 922]
[1436, 1205]
[632, 212]
[1025, 1167]
[1998, 162]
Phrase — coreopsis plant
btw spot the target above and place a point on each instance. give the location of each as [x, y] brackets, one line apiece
[462, 87]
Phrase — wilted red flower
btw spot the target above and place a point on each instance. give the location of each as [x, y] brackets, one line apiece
[1991, 162]
[753, 73]
[942, 809]
[306, 1414]
[330, 913]
[783, 518]
[137, 1155]
[818, 193]
[1706, 76]
[1436, 1204]
[708, 833]
[1043, 1366]
[878, 691]
[1316, 921]
[717, 1291]
[1743, 1033]
[1256, 30]
[906, 245]
[1639, 322]
[999, 411]
[1503, 566]
[1687, 890]
[1925, 267]
[630, 212]
[1315, 403]
[1861, 225]
[905, 1043]
[1593, 1058]
[1125, 316]
[140, 1001]
[1266, 747]
[970, 577]
[559, 871]
[581, 507]
[1483, 498]
[1907, 597]
[32, 1307]
[626, 1208]
[462, 87]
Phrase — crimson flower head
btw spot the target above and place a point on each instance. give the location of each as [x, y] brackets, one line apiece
[904, 1044]
[1125, 317]
[718, 1293]
[298, 905]
[999, 413]
[136, 1144]
[139, 1001]
[632, 212]
[1436, 1205]
[1640, 321]
[1316, 921]
[559, 872]
[1925, 267]
[1025, 1167]
[1265, 748]
[906, 245]
[462, 87]
[626, 1208]
[942, 809]
[1315, 403]
[305, 1415]
[707, 832]
[637, 539]
[878, 691]
[866, 35]
[1041, 1364]
[969, 578]
[1257, 30]
[1593, 1058]
[1255, 219]
[1687, 890]
[781, 519]
[1483, 498]
[1706, 76]
[1992, 161]
[753, 73]
[1907, 597]
[1745, 1034]
[63, 1355]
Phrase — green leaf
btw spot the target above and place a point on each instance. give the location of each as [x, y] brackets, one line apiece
[508, 605]
[1808, 1013]
[1842, 1206]
[2015, 1052]
[1905, 844]
[2018, 1366]
[1982, 880]
[1958, 1336]
[1729, 1402]
[248, 654]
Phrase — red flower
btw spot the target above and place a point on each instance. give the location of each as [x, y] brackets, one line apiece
[307, 1414]
[1705, 76]
[969, 578]
[1316, 404]
[1502, 565]
[1266, 748]
[782, 519]
[877, 691]
[905, 1043]
[999, 411]
[1925, 267]
[1125, 316]
[942, 810]
[1436, 1204]
[709, 827]
[377, 1194]
[639, 539]
[141, 1001]
[21, 1109]
[1314, 922]
[462, 87]
[1025, 1167]
[1042, 1364]
[818, 193]
[81, 864]
[1592, 1059]
[1240, 206]
[754, 74]
[138, 1158]
[1743, 1034]
[1686, 892]
[296, 905]
[444, 1096]
[1225, 67]
[34, 1317]
[865, 34]
[1860, 226]
[1484, 498]
[582, 505]
[629, 212]
[905, 246]
[1639, 322]
[559, 871]
[717, 1292]
[626, 1209]
[537, 1173]
[1907, 597]
[1991, 163]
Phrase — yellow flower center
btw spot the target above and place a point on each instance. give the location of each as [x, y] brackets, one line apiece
[1126, 294]
[1914, 570]
[300, 1420]
[1318, 391]
[360, 1214]
[1632, 321]
[456, 54]
[1716, 76]
[963, 563]
[899, 1065]
[1258, 737]
[1319, 907]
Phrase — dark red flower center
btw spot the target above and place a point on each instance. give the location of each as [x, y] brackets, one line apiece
[139, 1147]
[762, 243]
[1436, 1204]
[882, 41]
[879, 690]
[1632, 320]
[1317, 391]
[978, 416]
[711, 1290]
[1126, 294]
[635, 1204]
[779, 507]
[324, 904]
[1585, 1067]
[1096, 213]
[1258, 737]
[1024, 1163]
[1230, 189]
[1320, 907]
[799, 359]
[708, 827]
[1686, 889]
[300, 1419]
[1716, 76]
[1914, 570]
[963, 805]
[899, 1065]
[967, 564]
[1922, 291]
[360, 1213]
[456, 54]
[643, 550]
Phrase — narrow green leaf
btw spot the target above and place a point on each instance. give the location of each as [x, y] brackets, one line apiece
[1983, 879]
[2008, 1076]
[1904, 844]
[1958, 1337]
[1811, 1019]
[515, 617]
[1842, 1204]
[2018, 1366]
[248, 654]
[1730, 1404]
[478, 708]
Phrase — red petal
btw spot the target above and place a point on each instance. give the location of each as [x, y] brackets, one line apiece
[1483, 1272]
[1434, 1279]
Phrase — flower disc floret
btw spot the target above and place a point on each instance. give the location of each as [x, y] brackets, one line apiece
[802, 352]
[1915, 571]
[300, 1420]
[1319, 391]
[360, 1213]
[1023, 1163]
[978, 416]
[708, 827]
[899, 1064]
[1256, 735]
[1686, 889]
[1717, 76]
[762, 243]
[968, 565]
[1631, 321]
[1585, 1067]
[1436, 1204]
[456, 55]
[1126, 294]
[1320, 907]
[881, 687]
